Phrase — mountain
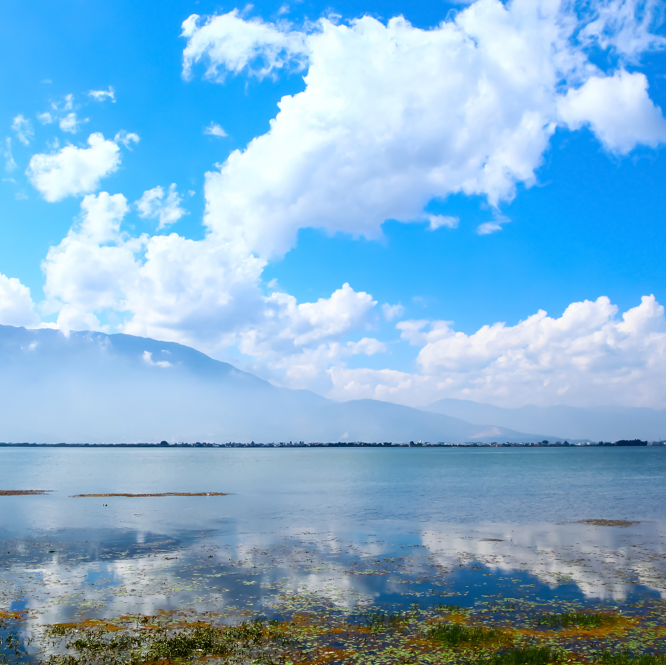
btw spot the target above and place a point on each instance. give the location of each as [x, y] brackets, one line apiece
[598, 423]
[89, 387]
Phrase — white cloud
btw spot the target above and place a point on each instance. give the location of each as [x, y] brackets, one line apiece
[214, 130]
[286, 325]
[393, 116]
[154, 205]
[625, 27]
[438, 221]
[618, 109]
[16, 306]
[70, 123]
[10, 164]
[588, 356]
[148, 359]
[93, 267]
[493, 226]
[67, 105]
[488, 227]
[202, 293]
[232, 44]
[392, 311]
[390, 118]
[126, 138]
[74, 318]
[45, 118]
[73, 171]
[102, 95]
[23, 129]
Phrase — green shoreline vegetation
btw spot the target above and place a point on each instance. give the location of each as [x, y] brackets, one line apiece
[307, 632]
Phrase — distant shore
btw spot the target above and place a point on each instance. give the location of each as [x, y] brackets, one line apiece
[345, 444]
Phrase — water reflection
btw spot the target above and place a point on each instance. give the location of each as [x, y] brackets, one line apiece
[107, 573]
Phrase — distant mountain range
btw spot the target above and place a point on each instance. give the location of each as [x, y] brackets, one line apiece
[89, 387]
[598, 423]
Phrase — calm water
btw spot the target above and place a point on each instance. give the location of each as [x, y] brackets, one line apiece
[353, 527]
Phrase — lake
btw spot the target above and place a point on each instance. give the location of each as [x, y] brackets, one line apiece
[346, 528]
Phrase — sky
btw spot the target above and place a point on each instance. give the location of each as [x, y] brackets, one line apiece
[397, 201]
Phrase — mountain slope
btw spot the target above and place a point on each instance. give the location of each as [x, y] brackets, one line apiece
[601, 423]
[92, 387]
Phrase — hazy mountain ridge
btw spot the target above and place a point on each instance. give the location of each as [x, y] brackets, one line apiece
[599, 423]
[93, 387]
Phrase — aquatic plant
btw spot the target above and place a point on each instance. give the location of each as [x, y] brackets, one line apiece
[381, 621]
[449, 609]
[576, 619]
[526, 656]
[455, 635]
[624, 658]
[237, 644]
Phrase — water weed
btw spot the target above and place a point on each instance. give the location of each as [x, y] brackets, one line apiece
[526, 656]
[455, 635]
[576, 620]
[625, 658]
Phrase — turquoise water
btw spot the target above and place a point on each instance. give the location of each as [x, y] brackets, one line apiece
[356, 526]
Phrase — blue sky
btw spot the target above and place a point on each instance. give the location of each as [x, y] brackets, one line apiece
[460, 171]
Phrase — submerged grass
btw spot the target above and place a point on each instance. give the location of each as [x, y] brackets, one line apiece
[247, 642]
[455, 635]
[378, 621]
[526, 656]
[576, 620]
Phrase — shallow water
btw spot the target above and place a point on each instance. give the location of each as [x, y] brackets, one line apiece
[352, 527]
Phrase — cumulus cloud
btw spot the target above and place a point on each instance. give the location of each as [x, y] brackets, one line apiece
[102, 95]
[72, 171]
[286, 325]
[203, 293]
[231, 44]
[16, 305]
[92, 268]
[71, 123]
[45, 118]
[214, 130]
[155, 205]
[393, 116]
[588, 356]
[23, 129]
[618, 109]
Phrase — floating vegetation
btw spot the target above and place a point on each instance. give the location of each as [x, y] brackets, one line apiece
[577, 619]
[23, 492]
[625, 658]
[79, 496]
[620, 523]
[311, 631]
[150, 643]
[449, 609]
